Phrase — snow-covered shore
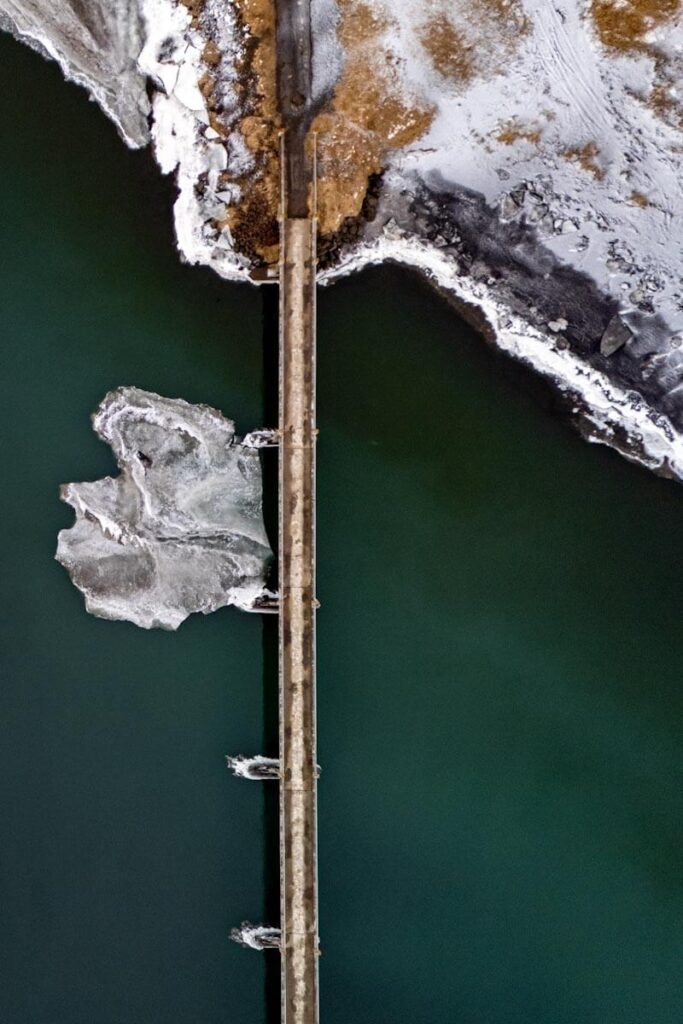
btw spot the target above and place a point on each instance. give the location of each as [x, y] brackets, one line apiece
[544, 192]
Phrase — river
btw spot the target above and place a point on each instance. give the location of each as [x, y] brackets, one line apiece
[499, 652]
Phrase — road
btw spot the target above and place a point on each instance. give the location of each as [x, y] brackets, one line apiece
[296, 550]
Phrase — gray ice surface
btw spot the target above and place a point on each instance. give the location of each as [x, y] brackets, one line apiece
[180, 530]
[97, 43]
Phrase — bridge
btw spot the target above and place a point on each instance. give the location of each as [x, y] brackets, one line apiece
[296, 767]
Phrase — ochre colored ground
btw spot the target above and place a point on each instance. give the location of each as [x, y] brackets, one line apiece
[465, 40]
[623, 24]
[367, 117]
[587, 158]
[370, 114]
[253, 220]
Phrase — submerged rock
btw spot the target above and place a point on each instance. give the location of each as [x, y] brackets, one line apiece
[180, 530]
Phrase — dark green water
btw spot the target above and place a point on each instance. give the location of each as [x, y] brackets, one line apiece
[499, 654]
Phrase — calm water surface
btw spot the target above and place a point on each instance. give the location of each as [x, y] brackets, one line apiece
[500, 654]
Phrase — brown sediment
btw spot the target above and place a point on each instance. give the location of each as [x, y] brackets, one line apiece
[350, 228]
[623, 24]
[450, 52]
[509, 11]
[586, 157]
[515, 131]
[195, 8]
[358, 24]
[211, 55]
[638, 199]
[253, 218]
[465, 41]
[367, 117]
[663, 99]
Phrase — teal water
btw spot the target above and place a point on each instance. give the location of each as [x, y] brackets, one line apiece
[499, 653]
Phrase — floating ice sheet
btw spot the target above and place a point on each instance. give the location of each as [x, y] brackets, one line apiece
[180, 530]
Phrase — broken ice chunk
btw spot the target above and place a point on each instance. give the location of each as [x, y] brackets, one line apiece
[256, 936]
[257, 768]
[180, 530]
[616, 335]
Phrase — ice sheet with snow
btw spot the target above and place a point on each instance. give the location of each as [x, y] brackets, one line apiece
[180, 530]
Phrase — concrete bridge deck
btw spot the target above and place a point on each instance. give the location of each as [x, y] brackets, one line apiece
[296, 767]
[297, 670]
[296, 550]
[296, 604]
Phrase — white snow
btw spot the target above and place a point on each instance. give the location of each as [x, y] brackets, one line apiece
[561, 82]
[172, 57]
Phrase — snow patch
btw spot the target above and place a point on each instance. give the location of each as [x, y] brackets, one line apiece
[183, 139]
